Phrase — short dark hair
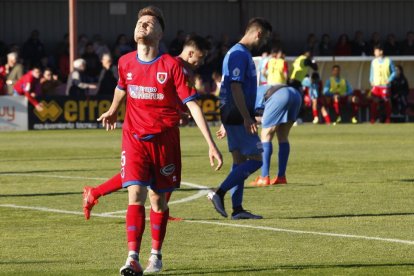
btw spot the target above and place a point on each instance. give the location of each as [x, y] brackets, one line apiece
[259, 22]
[336, 66]
[153, 11]
[198, 42]
[379, 46]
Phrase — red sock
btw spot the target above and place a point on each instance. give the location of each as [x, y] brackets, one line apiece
[112, 185]
[388, 110]
[374, 111]
[158, 227]
[168, 196]
[315, 113]
[327, 119]
[336, 108]
[135, 225]
[355, 108]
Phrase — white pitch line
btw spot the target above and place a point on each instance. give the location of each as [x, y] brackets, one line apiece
[199, 194]
[265, 228]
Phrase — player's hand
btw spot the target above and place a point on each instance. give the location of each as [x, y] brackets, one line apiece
[39, 107]
[221, 133]
[184, 118]
[214, 153]
[108, 120]
[251, 126]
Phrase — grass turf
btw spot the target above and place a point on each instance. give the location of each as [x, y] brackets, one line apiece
[347, 179]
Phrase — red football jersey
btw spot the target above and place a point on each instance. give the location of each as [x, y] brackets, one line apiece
[153, 89]
[21, 84]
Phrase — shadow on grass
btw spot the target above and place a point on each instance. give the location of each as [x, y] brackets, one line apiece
[407, 180]
[352, 216]
[282, 267]
[58, 159]
[41, 194]
[47, 171]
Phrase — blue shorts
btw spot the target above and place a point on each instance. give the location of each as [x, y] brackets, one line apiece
[282, 107]
[238, 139]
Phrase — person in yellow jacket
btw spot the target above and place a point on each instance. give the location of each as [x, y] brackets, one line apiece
[276, 68]
[381, 75]
[340, 91]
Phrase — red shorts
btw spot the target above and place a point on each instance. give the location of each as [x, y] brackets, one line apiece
[155, 162]
[381, 91]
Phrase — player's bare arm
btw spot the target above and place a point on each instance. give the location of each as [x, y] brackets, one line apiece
[109, 118]
[238, 96]
[198, 117]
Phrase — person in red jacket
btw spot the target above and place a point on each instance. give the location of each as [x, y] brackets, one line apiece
[28, 85]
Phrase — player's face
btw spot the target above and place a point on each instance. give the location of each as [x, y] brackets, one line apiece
[147, 29]
[47, 75]
[196, 58]
[377, 52]
[36, 73]
[336, 72]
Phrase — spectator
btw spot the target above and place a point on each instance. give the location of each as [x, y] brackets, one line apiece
[312, 44]
[375, 40]
[33, 50]
[340, 91]
[82, 41]
[99, 46]
[343, 46]
[49, 83]
[108, 77]
[381, 75]
[276, 67]
[176, 45]
[407, 47]
[122, 44]
[77, 85]
[13, 71]
[358, 45]
[325, 46]
[313, 89]
[3, 52]
[93, 64]
[216, 76]
[399, 91]
[391, 47]
[29, 86]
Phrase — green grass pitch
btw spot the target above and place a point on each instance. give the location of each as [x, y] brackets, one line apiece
[348, 208]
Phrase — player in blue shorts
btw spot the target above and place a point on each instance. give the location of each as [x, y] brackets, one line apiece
[238, 96]
[281, 105]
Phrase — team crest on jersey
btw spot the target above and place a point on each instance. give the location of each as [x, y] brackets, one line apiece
[129, 76]
[236, 72]
[161, 77]
[167, 170]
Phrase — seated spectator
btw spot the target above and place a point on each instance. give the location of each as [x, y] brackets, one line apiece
[176, 45]
[99, 46]
[109, 76]
[216, 76]
[33, 50]
[82, 41]
[29, 86]
[358, 45]
[399, 91]
[311, 45]
[407, 47]
[122, 45]
[340, 92]
[77, 85]
[343, 46]
[13, 71]
[49, 83]
[375, 40]
[391, 46]
[325, 46]
[93, 64]
[313, 89]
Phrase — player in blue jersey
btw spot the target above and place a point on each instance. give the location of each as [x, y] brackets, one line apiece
[281, 104]
[238, 96]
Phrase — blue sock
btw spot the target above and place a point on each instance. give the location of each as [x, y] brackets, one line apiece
[239, 174]
[237, 191]
[266, 156]
[284, 149]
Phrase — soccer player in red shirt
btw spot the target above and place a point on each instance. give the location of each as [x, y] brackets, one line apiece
[27, 85]
[193, 54]
[154, 84]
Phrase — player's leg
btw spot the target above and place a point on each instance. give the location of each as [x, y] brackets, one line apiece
[324, 102]
[355, 108]
[337, 108]
[388, 108]
[315, 110]
[91, 194]
[282, 133]
[135, 226]
[158, 219]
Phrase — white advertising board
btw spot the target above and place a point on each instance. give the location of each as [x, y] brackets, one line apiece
[13, 113]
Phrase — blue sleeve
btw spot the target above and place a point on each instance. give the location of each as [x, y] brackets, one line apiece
[237, 64]
[371, 73]
[392, 70]
[348, 88]
[327, 87]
